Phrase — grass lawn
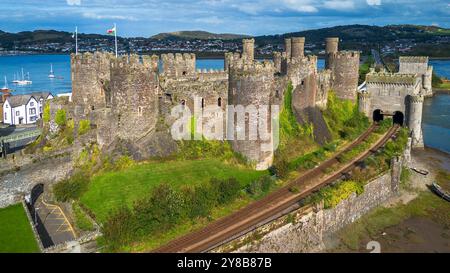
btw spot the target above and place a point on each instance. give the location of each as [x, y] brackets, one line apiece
[16, 235]
[445, 85]
[108, 191]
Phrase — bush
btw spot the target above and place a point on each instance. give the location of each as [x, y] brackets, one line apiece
[199, 201]
[72, 188]
[46, 112]
[119, 228]
[333, 195]
[260, 186]
[84, 126]
[226, 190]
[60, 117]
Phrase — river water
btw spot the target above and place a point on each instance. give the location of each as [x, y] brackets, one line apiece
[436, 113]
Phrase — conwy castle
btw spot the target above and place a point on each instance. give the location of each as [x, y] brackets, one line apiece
[129, 99]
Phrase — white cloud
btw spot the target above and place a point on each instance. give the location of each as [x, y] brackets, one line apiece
[91, 15]
[73, 2]
[340, 5]
[213, 20]
[373, 2]
[300, 5]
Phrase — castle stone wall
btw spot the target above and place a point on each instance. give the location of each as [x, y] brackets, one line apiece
[304, 229]
[179, 65]
[345, 73]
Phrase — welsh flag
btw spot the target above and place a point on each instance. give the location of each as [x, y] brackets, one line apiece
[111, 31]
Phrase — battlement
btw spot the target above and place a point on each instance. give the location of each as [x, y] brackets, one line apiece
[331, 45]
[254, 67]
[91, 58]
[391, 78]
[413, 59]
[345, 54]
[134, 61]
[179, 65]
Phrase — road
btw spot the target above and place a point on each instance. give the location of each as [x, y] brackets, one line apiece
[262, 211]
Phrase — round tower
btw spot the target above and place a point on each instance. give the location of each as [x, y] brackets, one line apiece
[297, 47]
[287, 47]
[364, 103]
[248, 49]
[251, 86]
[415, 120]
[331, 45]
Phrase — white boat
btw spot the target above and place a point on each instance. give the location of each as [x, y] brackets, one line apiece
[16, 78]
[5, 88]
[51, 75]
[23, 81]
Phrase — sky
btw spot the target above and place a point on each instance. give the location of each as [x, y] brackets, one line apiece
[253, 17]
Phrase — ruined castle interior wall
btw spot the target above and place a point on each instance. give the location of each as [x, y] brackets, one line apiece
[301, 67]
[323, 86]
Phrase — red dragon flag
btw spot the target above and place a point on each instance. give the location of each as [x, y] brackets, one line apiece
[111, 31]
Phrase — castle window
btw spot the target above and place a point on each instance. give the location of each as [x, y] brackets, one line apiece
[219, 102]
[183, 103]
[92, 107]
[277, 94]
[184, 73]
[303, 82]
[140, 111]
[203, 103]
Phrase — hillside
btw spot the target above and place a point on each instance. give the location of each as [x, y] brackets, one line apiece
[197, 34]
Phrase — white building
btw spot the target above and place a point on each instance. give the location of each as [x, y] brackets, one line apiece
[20, 109]
[41, 97]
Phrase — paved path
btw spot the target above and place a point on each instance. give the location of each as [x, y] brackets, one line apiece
[55, 222]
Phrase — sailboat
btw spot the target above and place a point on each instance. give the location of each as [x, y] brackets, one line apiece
[16, 78]
[5, 88]
[51, 75]
[23, 81]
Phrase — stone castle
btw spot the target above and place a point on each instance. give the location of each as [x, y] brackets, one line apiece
[129, 98]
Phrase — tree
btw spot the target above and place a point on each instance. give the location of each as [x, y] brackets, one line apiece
[60, 117]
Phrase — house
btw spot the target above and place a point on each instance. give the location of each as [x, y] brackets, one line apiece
[41, 97]
[4, 93]
[20, 109]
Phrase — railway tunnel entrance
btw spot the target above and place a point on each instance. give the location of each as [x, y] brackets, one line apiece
[397, 116]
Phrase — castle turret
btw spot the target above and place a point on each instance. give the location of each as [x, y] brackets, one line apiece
[248, 49]
[297, 47]
[415, 120]
[364, 103]
[344, 66]
[179, 65]
[331, 45]
[287, 47]
[418, 65]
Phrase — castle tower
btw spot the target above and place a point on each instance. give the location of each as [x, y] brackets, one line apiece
[134, 89]
[287, 47]
[248, 49]
[331, 45]
[90, 78]
[364, 103]
[251, 84]
[415, 120]
[297, 47]
[344, 66]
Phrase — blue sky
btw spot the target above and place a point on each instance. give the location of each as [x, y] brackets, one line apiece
[257, 17]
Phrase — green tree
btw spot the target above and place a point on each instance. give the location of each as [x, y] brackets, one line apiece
[60, 117]
[46, 114]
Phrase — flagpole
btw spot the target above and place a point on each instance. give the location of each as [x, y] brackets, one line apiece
[76, 40]
[115, 37]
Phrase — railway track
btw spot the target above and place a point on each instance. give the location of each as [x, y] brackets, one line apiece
[263, 210]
